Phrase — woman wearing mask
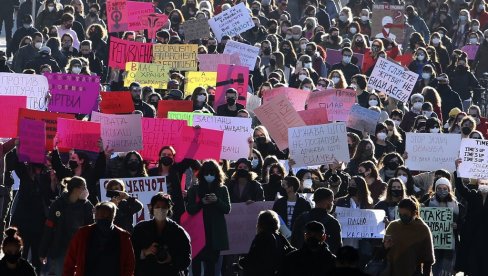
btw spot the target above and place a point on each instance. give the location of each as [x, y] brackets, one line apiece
[273, 188]
[433, 125]
[358, 44]
[481, 122]
[127, 206]
[67, 213]
[456, 123]
[376, 186]
[264, 144]
[365, 22]
[288, 51]
[441, 50]
[389, 163]
[190, 8]
[405, 175]
[298, 77]
[75, 66]
[277, 61]
[419, 124]
[132, 166]
[48, 16]
[396, 136]
[93, 16]
[381, 141]
[243, 186]
[364, 152]
[256, 163]
[468, 125]
[352, 30]
[478, 11]
[394, 194]
[374, 100]
[200, 100]
[212, 197]
[460, 30]
[306, 182]
[443, 18]
[338, 79]
[416, 101]
[371, 55]
[432, 96]
[428, 78]
[307, 85]
[421, 58]
[12, 263]
[345, 18]
[176, 19]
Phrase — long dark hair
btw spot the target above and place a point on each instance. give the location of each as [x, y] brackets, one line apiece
[364, 195]
[141, 171]
[211, 167]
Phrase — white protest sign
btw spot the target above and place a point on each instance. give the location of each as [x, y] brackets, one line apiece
[474, 156]
[361, 223]
[318, 144]
[363, 119]
[392, 79]
[432, 151]
[142, 188]
[35, 87]
[247, 53]
[231, 22]
[236, 134]
[252, 102]
[120, 132]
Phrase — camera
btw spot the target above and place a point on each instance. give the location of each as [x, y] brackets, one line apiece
[112, 194]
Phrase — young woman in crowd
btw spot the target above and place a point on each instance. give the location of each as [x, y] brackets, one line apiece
[12, 263]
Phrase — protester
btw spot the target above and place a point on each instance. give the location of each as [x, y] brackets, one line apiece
[127, 206]
[12, 263]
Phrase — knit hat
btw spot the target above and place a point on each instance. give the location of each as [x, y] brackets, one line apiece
[454, 112]
[443, 181]
[416, 96]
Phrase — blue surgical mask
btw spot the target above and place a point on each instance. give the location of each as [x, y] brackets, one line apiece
[209, 178]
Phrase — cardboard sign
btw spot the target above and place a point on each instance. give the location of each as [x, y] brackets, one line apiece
[363, 119]
[120, 132]
[34, 87]
[49, 118]
[142, 188]
[185, 116]
[147, 74]
[297, 97]
[474, 154]
[123, 51]
[388, 21]
[361, 223]
[199, 144]
[10, 106]
[237, 131]
[82, 135]
[157, 133]
[247, 53]
[231, 76]
[116, 102]
[319, 144]
[471, 51]
[335, 56]
[117, 16]
[392, 79]
[231, 22]
[180, 57]
[164, 106]
[241, 225]
[195, 228]
[337, 102]
[32, 141]
[196, 29]
[153, 22]
[252, 102]
[430, 152]
[196, 79]
[210, 62]
[439, 220]
[278, 115]
[316, 116]
[137, 13]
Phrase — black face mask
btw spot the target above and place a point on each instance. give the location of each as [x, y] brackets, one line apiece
[72, 164]
[260, 140]
[231, 101]
[133, 165]
[406, 219]
[255, 12]
[313, 243]
[396, 193]
[310, 53]
[274, 178]
[392, 165]
[166, 161]
[267, 51]
[104, 225]
[12, 258]
[352, 191]
[272, 62]
[241, 173]
[211, 48]
[466, 130]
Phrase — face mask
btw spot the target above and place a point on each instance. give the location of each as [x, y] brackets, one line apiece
[483, 189]
[426, 76]
[160, 214]
[303, 46]
[296, 37]
[417, 105]
[381, 136]
[209, 178]
[403, 178]
[274, 178]
[375, 49]
[335, 80]
[346, 60]
[306, 89]
[12, 258]
[442, 194]
[392, 165]
[133, 165]
[406, 219]
[166, 161]
[76, 70]
[466, 130]
[307, 183]
[254, 163]
[241, 173]
[364, 18]
[211, 48]
[462, 18]
[104, 225]
[436, 41]
[396, 193]
[473, 40]
[396, 122]
[343, 18]
[50, 8]
[302, 77]
[72, 164]
[27, 26]
[272, 62]
[38, 45]
[427, 113]
[201, 98]
[352, 191]
[267, 51]
[312, 243]
[307, 65]
[231, 101]
[373, 103]
[434, 130]
[288, 37]
[420, 57]
[481, 7]
[84, 195]
[353, 30]
[354, 86]
[255, 12]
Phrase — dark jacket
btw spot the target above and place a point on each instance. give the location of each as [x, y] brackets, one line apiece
[270, 148]
[301, 206]
[40, 60]
[306, 262]
[346, 203]
[450, 99]
[174, 238]
[147, 110]
[420, 26]
[96, 65]
[348, 70]
[223, 110]
[254, 37]
[464, 83]
[481, 60]
[23, 268]
[23, 56]
[47, 18]
[125, 213]
[13, 46]
[252, 191]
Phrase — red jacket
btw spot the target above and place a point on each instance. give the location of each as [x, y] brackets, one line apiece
[74, 263]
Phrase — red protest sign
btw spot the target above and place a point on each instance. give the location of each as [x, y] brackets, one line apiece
[123, 51]
[316, 116]
[9, 108]
[32, 141]
[164, 106]
[82, 135]
[116, 103]
[199, 143]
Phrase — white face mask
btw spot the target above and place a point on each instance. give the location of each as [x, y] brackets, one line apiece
[475, 28]
[353, 30]
[254, 163]
[427, 113]
[306, 89]
[463, 18]
[84, 195]
[473, 40]
[426, 76]
[201, 98]
[403, 178]
[381, 136]
[50, 8]
[335, 80]
[346, 60]
[27, 26]
[76, 70]
[354, 86]
[160, 214]
[434, 130]
[307, 65]
[373, 103]
[38, 45]
[446, 125]
[343, 18]
[436, 41]
[481, 7]
[288, 37]
[302, 77]
[296, 37]
[396, 122]
[418, 105]
[303, 46]
[364, 18]
[209, 178]
[307, 183]
[420, 57]
[483, 189]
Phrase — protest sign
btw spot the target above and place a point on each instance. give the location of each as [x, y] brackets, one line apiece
[252, 102]
[241, 225]
[147, 74]
[439, 220]
[471, 50]
[237, 132]
[185, 116]
[32, 141]
[297, 97]
[231, 76]
[319, 144]
[278, 115]
[388, 21]
[231, 22]
[164, 106]
[82, 135]
[117, 16]
[474, 156]
[316, 116]
[392, 79]
[9, 108]
[34, 87]
[363, 119]
[247, 53]
[157, 133]
[335, 56]
[432, 151]
[122, 51]
[120, 132]
[361, 223]
[209, 62]
[137, 13]
[337, 102]
[194, 226]
[195, 79]
[73, 93]
[116, 102]
[198, 144]
[153, 22]
[181, 57]
[196, 29]
[142, 188]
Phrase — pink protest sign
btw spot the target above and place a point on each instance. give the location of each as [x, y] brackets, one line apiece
[209, 62]
[123, 51]
[9, 114]
[157, 133]
[337, 102]
[32, 141]
[73, 93]
[231, 76]
[136, 13]
[121, 133]
[199, 143]
[117, 16]
[335, 56]
[316, 116]
[153, 22]
[196, 230]
[297, 97]
[82, 135]
[471, 51]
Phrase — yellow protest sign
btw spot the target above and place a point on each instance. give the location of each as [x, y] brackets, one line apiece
[194, 79]
[147, 74]
[180, 57]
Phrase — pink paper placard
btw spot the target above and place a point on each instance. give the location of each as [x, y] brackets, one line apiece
[316, 116]
[209, 62]
[337, 102]
[157, 133]
[297, 97]
[153, 22]
[82, 135]
[32, 141]
[199, 144]
[137, 13]
[196, 230]
[10, 106]
[231, 76]
[117, 15]
[123, 51]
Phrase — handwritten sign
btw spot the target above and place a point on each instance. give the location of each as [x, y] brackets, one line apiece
[196, 29]
[164, 106]
[363, 119]
[474, 154]
[278, 115]
[335, 56]
[196, 79]
[316, 116]
[319, 144]
[247, 53]
[34, 87]
[361, 223]
[252, 102]
[199, 144]
[147, 74]
[32, 141]
[297, 97]
[185, 116]
[439, 220]
[120, 132]
[116, 102]
[231, 22]
[153, 22]
[430, 152]
[237, 131]
[117, 16]
[337, 102]
[181, 57]
[123, 51]
[137, 13]
[392, 79]
[209, 62]
[82, 135]
[157, 133]
[471, 50]
[231, 76]
[10, 106]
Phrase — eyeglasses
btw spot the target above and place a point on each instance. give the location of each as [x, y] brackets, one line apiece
[376, 45]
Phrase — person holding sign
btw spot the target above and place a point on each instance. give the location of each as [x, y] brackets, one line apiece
[127, 205]
[395, 192]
